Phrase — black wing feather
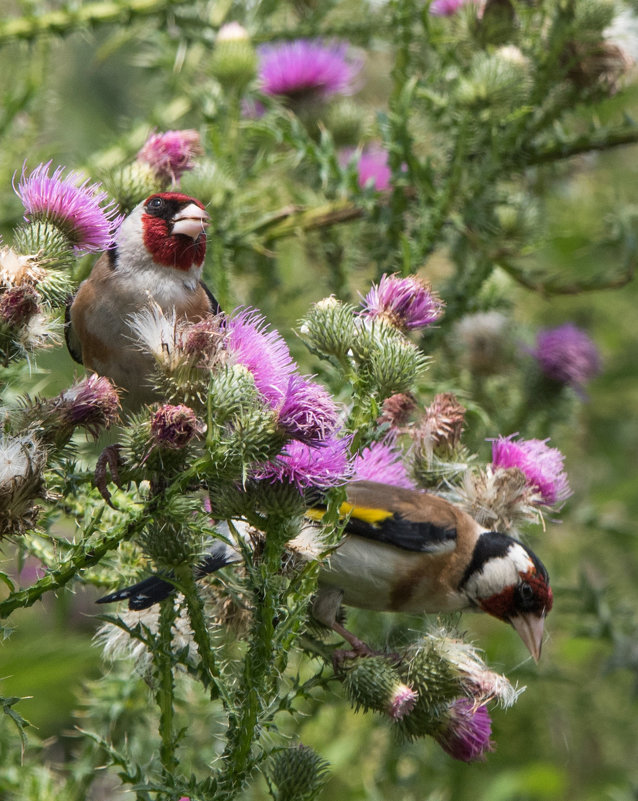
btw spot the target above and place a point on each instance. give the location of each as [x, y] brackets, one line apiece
[407, 534]
[72, 341]
[214, 305]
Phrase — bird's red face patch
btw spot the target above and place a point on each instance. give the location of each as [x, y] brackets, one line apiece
[167, 248]
[531, 595]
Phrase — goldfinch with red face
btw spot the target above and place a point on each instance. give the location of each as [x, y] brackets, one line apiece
[157, 259]
[404, 551]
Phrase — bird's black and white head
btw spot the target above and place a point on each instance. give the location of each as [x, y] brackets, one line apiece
[507, 580]
[168, 229]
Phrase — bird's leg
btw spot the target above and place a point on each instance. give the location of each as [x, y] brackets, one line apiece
[110, 457]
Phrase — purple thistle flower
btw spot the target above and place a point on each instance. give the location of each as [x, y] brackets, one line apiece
[567, 354]
[466, 731]
[373, 169]
[175, 426]
[82, 211]
[262, 352]
[92, 403]
[308, 412]
[381, 461]
[171, 154]
[541, 465]
[327, 465]
[447, 8]
[307, 68]
[407, 303]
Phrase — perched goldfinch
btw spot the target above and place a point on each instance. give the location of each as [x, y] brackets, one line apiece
[405, 551]
[157, 259]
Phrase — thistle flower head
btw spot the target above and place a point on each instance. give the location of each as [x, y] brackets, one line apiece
[263, 352]
[373, 683]
[465, 731]
[306, 68]
[22, 460]
[406, 303]
[447, 8]
[382, 461]
[17, 269]
[93, 403]
[567, 355]
[18, 305]
[174, 427]
[373, 169]
[396, 409]
[304, 466]
[500, 498]
[308, 412]
[441, 424]
[482, 340]
[541, 465]
[171, 154]
[81, 210]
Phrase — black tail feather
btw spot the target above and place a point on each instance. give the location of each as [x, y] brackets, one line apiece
[154, 589]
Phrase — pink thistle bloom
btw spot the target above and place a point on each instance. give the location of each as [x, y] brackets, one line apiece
[82, 211]
[402, 701]
[92, 403]
[175, 426]
[466, 731]
[381, 461]
[171, 154]
[326, 465]
[307, 68]
[374, 170]
[308, 412]
[264, 353]
[541, 465]
[406, 303]
[567, 354]
[446, 8]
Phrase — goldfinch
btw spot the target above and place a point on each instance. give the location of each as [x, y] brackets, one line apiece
[157, 259]
[404, 550]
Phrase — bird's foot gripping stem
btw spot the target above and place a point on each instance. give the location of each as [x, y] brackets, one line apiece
[110, 457]
[359, 648]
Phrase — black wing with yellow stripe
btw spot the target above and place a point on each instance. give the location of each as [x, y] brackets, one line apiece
[395, 529]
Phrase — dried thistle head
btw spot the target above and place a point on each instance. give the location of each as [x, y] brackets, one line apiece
[499, 498]
[599, 64]
[22, 460]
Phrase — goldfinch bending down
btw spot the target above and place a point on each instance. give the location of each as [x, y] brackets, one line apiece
[405, 551]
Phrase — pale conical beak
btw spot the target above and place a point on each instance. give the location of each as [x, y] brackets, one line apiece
[530, 630]
[190, 221]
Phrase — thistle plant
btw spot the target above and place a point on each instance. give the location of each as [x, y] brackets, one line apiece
[388, 225]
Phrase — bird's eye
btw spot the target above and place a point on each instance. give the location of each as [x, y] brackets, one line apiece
[525, 592]
[155, 203]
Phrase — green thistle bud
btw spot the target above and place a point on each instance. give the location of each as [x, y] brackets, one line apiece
[211, 182]
[297, 773]
[250, 435]
[373, 683]
[49, 244]
[593, 16]
[390, 362]
[435, 681]
[345, 122]
[170, 544]
[234, 60]
[497, 81]
[131, 184]
[232, 389]
[330, 328]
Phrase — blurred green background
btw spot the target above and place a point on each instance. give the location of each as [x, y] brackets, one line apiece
[574, 732]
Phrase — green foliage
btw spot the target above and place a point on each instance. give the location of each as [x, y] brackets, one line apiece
[491, 123]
